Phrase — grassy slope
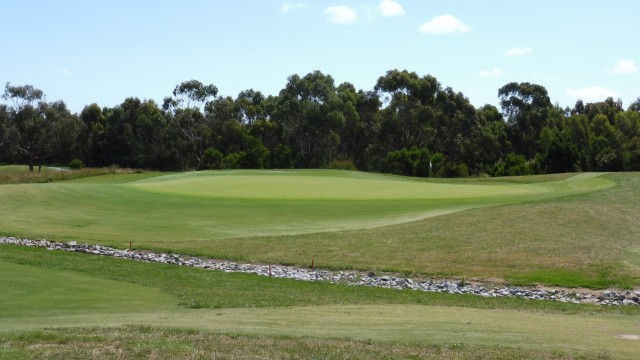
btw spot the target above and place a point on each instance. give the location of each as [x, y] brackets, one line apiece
[561, 242]
[212, 206]
[268, 311]
[582, 240]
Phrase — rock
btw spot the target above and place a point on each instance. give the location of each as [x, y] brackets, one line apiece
[607, 297]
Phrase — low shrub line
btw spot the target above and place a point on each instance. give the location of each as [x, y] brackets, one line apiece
[31, 177]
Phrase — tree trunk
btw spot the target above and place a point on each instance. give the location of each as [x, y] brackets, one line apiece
[30, 163]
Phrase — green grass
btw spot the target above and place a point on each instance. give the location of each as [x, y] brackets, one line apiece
[58, 304]
[570, 230]
[197, 288]
[27, 290]
[151, 342]
[560, 230]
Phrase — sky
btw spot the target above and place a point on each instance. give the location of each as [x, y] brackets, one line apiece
[104, 51]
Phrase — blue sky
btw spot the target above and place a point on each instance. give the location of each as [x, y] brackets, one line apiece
[105, 51]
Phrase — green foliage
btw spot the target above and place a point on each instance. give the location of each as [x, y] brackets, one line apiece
[452, 170]
[76, 164]
[414, 162]
[254, 154]
[341, 165]
[312, 121]
[513, 165]
[280, 158]
[232, 161]
[212, 159]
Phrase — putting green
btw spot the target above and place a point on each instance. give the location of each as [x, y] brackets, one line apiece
[331, 185]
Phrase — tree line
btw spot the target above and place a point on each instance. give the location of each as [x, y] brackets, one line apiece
[407, 124]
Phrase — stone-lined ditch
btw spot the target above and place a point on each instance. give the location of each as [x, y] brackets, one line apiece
[606, 297]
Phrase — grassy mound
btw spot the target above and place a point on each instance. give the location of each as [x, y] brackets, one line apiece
[567, 230]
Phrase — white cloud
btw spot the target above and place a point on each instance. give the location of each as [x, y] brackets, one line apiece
[516, 51]
[289, 7]
[493, 73]
[65, 72]
[390, 8]
[444, 24]
[593, 93]
[341, 14]
[624, 67]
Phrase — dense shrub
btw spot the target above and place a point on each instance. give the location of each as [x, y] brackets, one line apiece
[341, 165]
[414, 162]
[513, 165]
[211, 159]
[232, 161]
[453, 170]
[76, 164]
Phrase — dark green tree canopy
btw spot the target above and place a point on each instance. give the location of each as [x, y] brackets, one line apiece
[407, 124]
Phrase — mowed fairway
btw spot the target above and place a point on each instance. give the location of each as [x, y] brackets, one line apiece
[67, 305]
[347, 220]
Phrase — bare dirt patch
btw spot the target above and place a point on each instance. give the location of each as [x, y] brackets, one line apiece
[630, 337]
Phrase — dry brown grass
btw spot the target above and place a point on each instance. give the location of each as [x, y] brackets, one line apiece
[21, 175]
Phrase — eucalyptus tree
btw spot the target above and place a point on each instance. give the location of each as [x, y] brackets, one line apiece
[250, 104]
[309, 113]
[494, 143]
[185, 111]
[92, 134]
[6, 152]
[37, 129]
[628, 126]
[63, 132]
[408, 117]
[635, 106]
[526, 107]
[25, 125]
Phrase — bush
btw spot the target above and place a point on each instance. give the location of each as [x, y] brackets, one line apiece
[232, 161]
[76, 164]
[513, 165]
[280, 158]
[341, 165]
[413, 162]
[454, 170]
[211, 159]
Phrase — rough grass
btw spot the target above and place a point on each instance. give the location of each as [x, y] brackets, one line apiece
[156, 343]
[18, 174]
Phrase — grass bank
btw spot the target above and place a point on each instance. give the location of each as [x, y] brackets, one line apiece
[566, 230]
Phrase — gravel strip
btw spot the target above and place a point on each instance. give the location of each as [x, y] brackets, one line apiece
[606, 297]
